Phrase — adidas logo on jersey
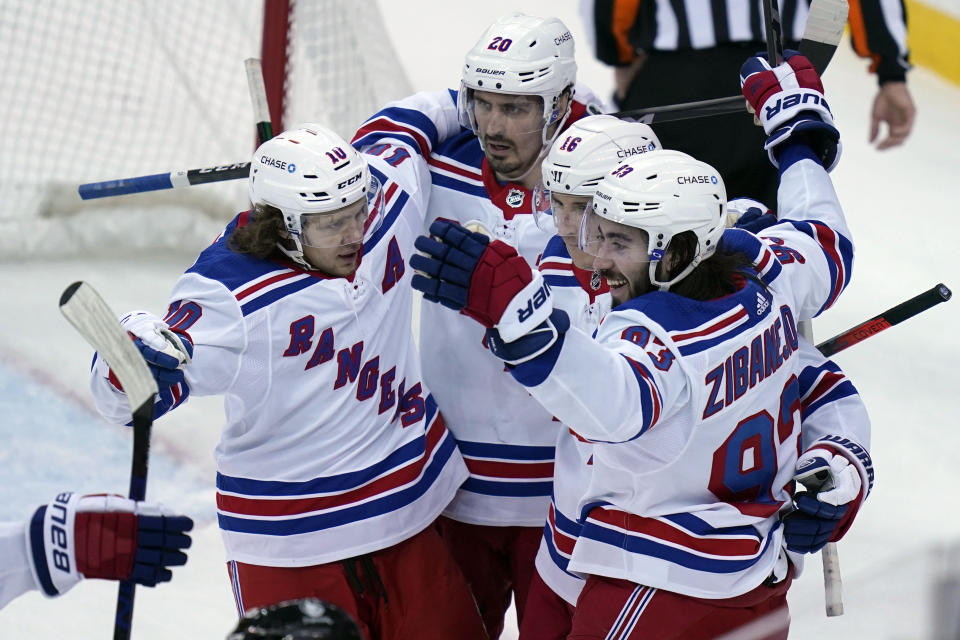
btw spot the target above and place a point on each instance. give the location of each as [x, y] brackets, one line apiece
[762, 304]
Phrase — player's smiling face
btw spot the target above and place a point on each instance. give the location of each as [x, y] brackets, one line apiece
[510, 127]
[620, 255]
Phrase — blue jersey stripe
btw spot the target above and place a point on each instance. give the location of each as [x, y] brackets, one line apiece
[264, 299]
[649, 547]
[499, 451]
[388, 220]
[348, 515]
[508, 489]
[412, 450]
[842, 390]
[444, 180]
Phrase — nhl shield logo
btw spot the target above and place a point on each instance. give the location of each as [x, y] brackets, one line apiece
[515, 198]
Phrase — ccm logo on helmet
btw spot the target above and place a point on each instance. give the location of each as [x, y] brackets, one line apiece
[349, 181]
[696, 179]
[561, 39]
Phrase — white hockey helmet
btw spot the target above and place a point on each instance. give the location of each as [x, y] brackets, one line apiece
[664, 193]
[520, 55]
[310, 173]
[589, 149]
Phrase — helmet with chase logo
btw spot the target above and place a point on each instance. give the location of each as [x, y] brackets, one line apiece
[521, 55]
[664, 194]
[589, 149]
[322, 187]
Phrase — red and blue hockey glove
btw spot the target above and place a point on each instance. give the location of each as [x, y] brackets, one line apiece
[104, 536]
[825, 510]
[166, 352]
[488, 281]
[788, 101]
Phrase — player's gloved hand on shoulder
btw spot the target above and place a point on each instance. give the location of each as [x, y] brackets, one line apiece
[788, 101]
[825, 510]
[488, 281]
[104, 536]
[745, 213]
[165, 351]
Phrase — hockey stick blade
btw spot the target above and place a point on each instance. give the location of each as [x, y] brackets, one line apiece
[821, 35]
[894, 315]
[93, 319]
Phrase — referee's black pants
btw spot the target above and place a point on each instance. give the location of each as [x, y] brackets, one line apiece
[731, 143]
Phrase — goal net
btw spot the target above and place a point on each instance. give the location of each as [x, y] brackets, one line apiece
[120, 88]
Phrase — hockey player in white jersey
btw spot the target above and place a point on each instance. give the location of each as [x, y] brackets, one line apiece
[334, 461]
[77, 537]
[693, 406]
[485, 144]
[577, 161]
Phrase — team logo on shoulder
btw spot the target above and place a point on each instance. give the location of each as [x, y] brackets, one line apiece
[515, 198]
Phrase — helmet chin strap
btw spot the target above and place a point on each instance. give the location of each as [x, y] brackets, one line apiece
[665, 286]
[296, 254]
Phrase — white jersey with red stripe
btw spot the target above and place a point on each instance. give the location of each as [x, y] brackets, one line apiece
[333, 445]
[694, 408]
[506, 438]
[585, 297]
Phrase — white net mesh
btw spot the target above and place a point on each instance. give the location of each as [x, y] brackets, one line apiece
[343, 67]
[121, 88]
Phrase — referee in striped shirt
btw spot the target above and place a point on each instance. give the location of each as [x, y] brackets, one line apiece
[671, 51]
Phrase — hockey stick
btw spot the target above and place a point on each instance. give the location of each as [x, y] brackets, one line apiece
[90, 315]
[159, 181]
[821, 35]
[832, 583]
[190, 177]
[894, 315]
[258, 96]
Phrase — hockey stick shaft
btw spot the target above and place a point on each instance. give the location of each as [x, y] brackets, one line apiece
[821, 35]
[93, 319]
[160, 181]
[832, 583]
[894, 315]
[258, 96]
[190, 177]
[774, 31]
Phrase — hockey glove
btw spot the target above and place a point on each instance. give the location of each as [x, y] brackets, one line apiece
[107, 537]
[789, 103]
[166, 352]
[488, 281]
[825, 510]
[744, 213]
